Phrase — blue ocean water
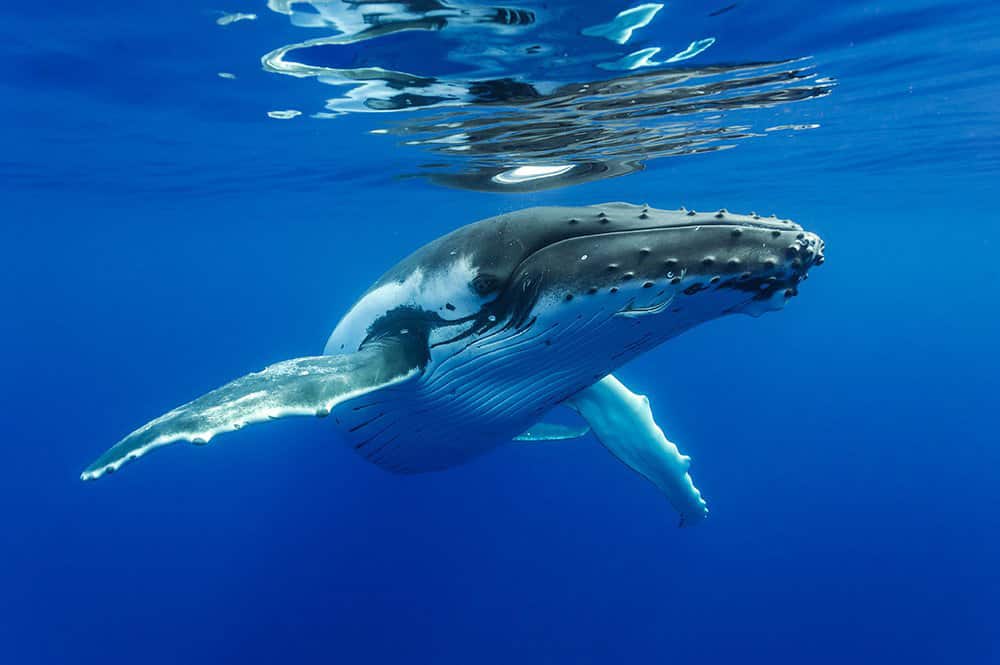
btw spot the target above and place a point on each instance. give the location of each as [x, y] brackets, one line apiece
[163, 234]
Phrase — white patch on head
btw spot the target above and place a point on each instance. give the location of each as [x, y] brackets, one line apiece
[431, 291]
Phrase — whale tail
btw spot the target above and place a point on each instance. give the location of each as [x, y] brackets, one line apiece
[300, 387]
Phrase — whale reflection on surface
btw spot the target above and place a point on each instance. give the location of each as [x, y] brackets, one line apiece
[513, 99]
[588, 131]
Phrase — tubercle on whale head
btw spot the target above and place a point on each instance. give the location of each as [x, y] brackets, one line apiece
[774, 290]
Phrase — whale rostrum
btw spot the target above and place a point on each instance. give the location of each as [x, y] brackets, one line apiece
[474, 338]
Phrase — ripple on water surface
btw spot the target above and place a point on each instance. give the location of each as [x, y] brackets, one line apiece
[535, 96]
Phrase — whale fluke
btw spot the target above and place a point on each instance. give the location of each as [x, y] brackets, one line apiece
[309, 386]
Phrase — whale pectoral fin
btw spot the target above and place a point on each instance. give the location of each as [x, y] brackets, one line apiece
[299, 387]
[623, 422]
[553, 432]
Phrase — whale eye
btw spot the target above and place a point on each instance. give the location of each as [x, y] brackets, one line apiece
[485, 283]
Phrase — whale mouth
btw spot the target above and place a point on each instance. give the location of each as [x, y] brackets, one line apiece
[770, 292]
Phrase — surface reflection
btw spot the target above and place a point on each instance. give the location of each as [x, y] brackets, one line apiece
[528, 98]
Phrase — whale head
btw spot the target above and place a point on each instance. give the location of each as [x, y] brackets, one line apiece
[661, 261]
[667, 270]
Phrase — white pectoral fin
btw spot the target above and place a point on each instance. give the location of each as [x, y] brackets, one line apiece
[623, 422]
[300, 387]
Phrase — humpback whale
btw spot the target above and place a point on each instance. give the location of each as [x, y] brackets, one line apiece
[471, 340]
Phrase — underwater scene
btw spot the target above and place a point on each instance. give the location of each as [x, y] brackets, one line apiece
[462, 332]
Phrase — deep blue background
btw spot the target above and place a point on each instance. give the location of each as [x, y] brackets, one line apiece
[160, 236]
